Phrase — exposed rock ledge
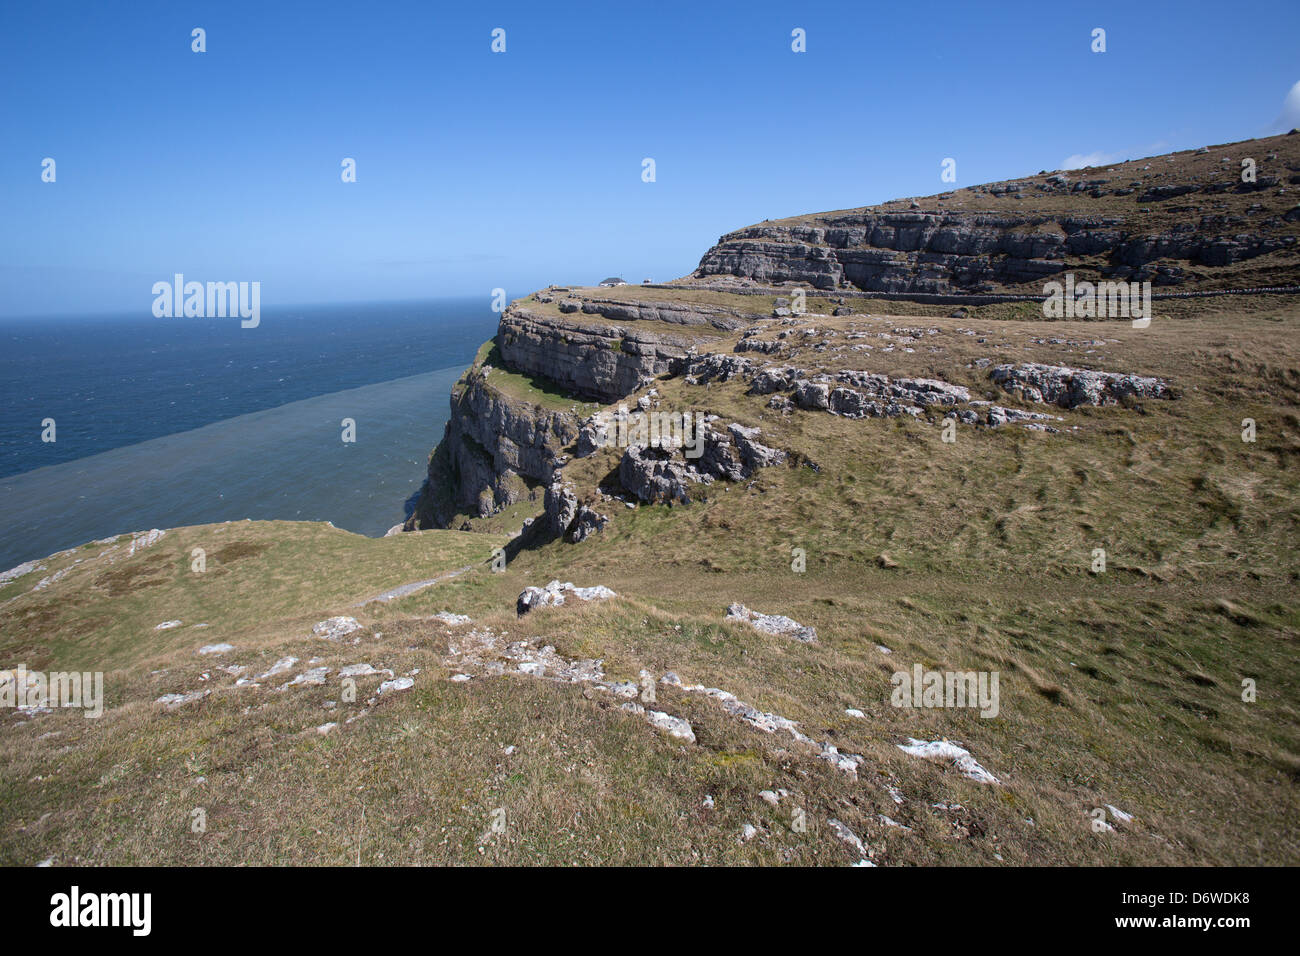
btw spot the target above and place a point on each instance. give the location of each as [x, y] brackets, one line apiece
[605, 362]
[1072, 387]
[656, 474]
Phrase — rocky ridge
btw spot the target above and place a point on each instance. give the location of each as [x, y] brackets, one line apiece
[1183, 221]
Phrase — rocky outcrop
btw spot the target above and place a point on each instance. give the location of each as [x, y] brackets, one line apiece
[554, 594]
[874, 395]
[495, 450]
[591, 359]
[717, 367]
[568, 517]
[1165, 221]
[656, 474]
[675, 313]
[776, 379]
[953, 252]
[1072, 387]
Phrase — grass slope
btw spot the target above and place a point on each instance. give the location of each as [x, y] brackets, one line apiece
[1120, 688]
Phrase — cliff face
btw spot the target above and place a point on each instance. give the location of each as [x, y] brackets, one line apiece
[1187, 220]
[495, 451]
[515, 412]
[600, 361]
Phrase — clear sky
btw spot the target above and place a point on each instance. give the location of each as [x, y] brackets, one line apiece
[478, 170]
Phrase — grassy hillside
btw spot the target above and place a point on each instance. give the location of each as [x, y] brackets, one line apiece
[1121, 688]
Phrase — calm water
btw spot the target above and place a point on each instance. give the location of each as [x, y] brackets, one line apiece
[163, 422]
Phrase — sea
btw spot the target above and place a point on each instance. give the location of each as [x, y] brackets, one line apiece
[158, 423]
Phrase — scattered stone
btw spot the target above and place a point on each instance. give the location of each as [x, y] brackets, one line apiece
[768, 723]
[554, 595]
[453, 620]
[943, 751]
[362, 670]
[172, 701]
[842, 832]
[17, 572]
[400, 683]
[483, 649]
[673, 726]
[777, 624]
[311, 678]
[282, 666]
[144, 539]
[168, 625]
[337, 628]
[216, 648]
[1120, 815]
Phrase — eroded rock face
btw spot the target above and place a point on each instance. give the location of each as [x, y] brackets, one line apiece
[657, 474]
[917, 391]
[568, 517]
[496, 448]
[952, 251]
[776, 379]
[605, 362]
[717, 367]
[677, 313]
[1071, 387]
[592, 436]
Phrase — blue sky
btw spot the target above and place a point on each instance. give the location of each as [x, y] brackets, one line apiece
[478, 170]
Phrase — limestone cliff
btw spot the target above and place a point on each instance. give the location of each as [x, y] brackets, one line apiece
[495, 451]
[1192, 220]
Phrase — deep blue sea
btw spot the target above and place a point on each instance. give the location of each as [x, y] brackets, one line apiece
[163, 422]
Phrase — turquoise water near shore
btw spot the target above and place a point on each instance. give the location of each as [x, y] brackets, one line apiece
[287, 462]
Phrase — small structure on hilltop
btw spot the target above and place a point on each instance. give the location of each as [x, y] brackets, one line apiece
[610, 283]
